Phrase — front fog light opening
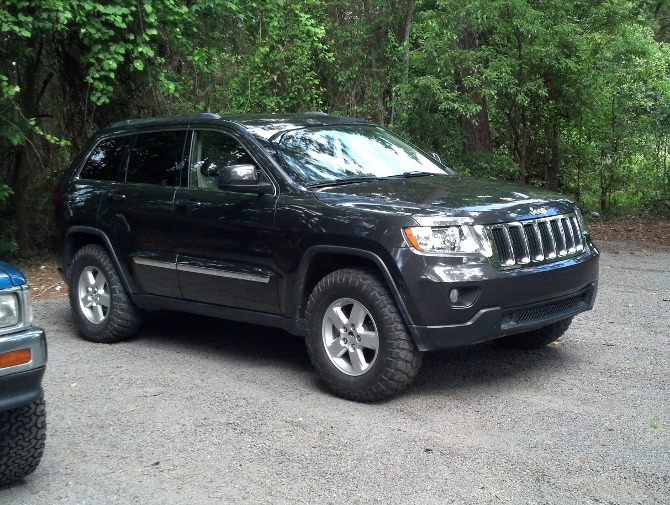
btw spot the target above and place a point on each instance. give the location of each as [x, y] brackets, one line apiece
[453, 296]
[462, 298]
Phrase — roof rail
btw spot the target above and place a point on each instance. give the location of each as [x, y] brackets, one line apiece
[145, 120]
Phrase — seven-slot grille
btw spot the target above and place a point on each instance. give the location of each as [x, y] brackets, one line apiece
[536, 241]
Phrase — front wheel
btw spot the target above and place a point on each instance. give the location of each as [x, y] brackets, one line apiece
[357, 340]
[536, 338]
[22, 436]
[100, 304]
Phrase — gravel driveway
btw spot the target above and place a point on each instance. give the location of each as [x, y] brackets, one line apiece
[205, 411]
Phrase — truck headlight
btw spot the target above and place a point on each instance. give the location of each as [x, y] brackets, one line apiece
[9, 310]
[463, 239]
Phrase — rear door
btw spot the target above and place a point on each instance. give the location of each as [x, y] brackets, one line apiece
[226, 241]
[137, 214]
[102, 169]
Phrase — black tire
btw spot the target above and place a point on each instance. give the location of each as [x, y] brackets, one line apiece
[375, 357]
[536, 338]
[100, 304]
[23, 432]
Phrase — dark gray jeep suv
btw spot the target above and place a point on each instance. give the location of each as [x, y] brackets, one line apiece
[331, 228]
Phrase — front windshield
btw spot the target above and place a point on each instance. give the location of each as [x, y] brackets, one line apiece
[322, 155]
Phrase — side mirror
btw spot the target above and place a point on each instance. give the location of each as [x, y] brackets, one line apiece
[244, 179]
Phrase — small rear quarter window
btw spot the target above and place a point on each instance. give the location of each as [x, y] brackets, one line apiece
[106, 161]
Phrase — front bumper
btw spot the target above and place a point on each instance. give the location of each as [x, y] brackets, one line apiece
[494, 322]
[456, 303]
[22, 384]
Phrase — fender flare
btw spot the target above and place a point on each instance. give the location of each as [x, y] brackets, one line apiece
[350, 251]
[68, 253]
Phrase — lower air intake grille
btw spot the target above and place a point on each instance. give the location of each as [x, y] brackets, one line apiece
[566, 306]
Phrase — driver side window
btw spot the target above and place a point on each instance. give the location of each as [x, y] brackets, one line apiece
[214, 150]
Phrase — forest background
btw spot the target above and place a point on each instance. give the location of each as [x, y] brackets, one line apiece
[573, 95]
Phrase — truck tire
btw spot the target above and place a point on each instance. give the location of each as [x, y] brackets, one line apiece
[103, 310]
[22, 435]
[536, 338]
[357, 339]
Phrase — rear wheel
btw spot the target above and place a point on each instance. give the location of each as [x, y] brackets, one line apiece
[536, 338]
[357, 340]
[100, 304]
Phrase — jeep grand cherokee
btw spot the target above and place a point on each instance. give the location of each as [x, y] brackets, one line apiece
[332, 228]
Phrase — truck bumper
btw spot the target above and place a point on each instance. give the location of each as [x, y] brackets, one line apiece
[22, 384]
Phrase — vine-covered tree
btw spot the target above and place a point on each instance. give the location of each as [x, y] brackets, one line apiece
[568, 94]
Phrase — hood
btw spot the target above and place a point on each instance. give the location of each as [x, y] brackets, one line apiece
[481, 200]
[10, 276]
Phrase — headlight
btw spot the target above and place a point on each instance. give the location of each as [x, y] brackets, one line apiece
[9, 310]
[448, 239]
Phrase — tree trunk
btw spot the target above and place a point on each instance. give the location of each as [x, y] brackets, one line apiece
[20, 198]
[476, 129]
[551, 174]
[405, 56]
[405, 39]
[25, 165]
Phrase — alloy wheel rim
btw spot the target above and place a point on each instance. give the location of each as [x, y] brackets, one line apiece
[350, 336]
[93, 295]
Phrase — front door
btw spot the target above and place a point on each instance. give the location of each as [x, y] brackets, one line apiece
[225, 241]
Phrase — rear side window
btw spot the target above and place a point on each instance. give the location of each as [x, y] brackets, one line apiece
[105, 162]
[157, 158]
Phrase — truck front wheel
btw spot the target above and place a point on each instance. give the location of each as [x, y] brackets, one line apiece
[22, 435]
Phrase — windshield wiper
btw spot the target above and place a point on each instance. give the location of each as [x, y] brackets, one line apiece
[414, 173]
[343, 182]
[356, 180]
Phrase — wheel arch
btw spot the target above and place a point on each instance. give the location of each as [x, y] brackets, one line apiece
[321, 260]
[80, 236]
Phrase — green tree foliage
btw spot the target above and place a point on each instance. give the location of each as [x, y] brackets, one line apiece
[50, 46]
[569, 94]
[568, 91]
[286, 44]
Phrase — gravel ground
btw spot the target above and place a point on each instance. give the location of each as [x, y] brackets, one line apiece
[205, 411]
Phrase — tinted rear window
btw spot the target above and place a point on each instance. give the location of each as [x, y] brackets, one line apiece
[157, 158]
[105, 163]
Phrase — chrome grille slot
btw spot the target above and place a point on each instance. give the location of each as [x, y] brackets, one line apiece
[548, 242]
[559, 236]
[536, 241]
[503, 245]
